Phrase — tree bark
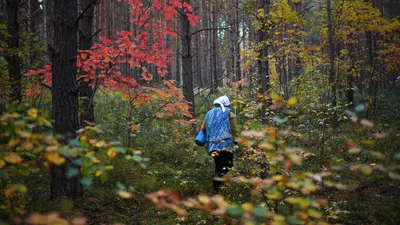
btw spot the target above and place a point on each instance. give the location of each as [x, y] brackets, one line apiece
[262, 62]
[178, 58]
[13, 60]
[187, 76]
[332, 74]
[65, 93]
[85, 43]
[214, 38]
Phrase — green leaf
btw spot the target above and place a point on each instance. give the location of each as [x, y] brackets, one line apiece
[294, 220]
[3, 175]
[277, 119]
[85, 144]
[75, 143]
[260, 212]
[78, 162]
[87, 181]
[104, 177]
[131, 188]
[120, 186]
[87, 162]
[119, 150]
[349, 113]
[360, 108]
[72, 172]
[254, 125]
[137, 158]
[234, 210]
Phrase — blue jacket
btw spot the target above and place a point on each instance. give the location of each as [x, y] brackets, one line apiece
[218, 129]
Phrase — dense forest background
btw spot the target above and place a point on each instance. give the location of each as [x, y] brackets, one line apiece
[101, 101]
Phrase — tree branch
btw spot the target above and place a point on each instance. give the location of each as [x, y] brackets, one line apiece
[92, 4]
[217, 28]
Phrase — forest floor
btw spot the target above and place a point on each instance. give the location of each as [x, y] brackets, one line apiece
[187, 169]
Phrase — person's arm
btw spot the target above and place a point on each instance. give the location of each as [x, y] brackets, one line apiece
[233, 125]
[203, 125]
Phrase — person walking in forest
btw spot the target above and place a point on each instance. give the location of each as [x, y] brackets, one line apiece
[220, 128]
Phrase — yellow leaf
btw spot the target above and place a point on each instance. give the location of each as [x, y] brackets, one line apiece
[44, 121]
[95, 160]
[267, 145]
[54, 157]
[109, 167]
[20, 188]
[247, 207]
[2, 163]
[12, 158]
[32, 113]
[204, 199]
[99, 173]
[277, 177]
[100, 144]
[292, 101]
[13, 142]
[9, 191]
[124, 194]
[314, 213]
[111, 153]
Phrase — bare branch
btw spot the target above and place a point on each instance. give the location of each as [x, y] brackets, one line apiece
[217, 28]
[91, 5]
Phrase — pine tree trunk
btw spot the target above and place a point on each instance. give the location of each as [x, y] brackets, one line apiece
[65, 93]
[238, 72]
[85, 43]
[332, 74]
[187, 74]
[32, 12]
[262, 63]
[13, 60]
[214, 38]
[178, 57]
[209, 50]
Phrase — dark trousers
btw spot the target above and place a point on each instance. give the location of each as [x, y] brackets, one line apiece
[223, 164]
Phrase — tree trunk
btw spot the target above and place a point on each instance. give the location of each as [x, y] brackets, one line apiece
[210, 37]
[32, 12]
[262, 62]
[332, 74]
[371, 67]
[237, 44]
[214, 38]
[65, 93]
[350, 75]
[187, 76]
[178, 58]
[13, 60]
[85, 42]
[32, 6]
